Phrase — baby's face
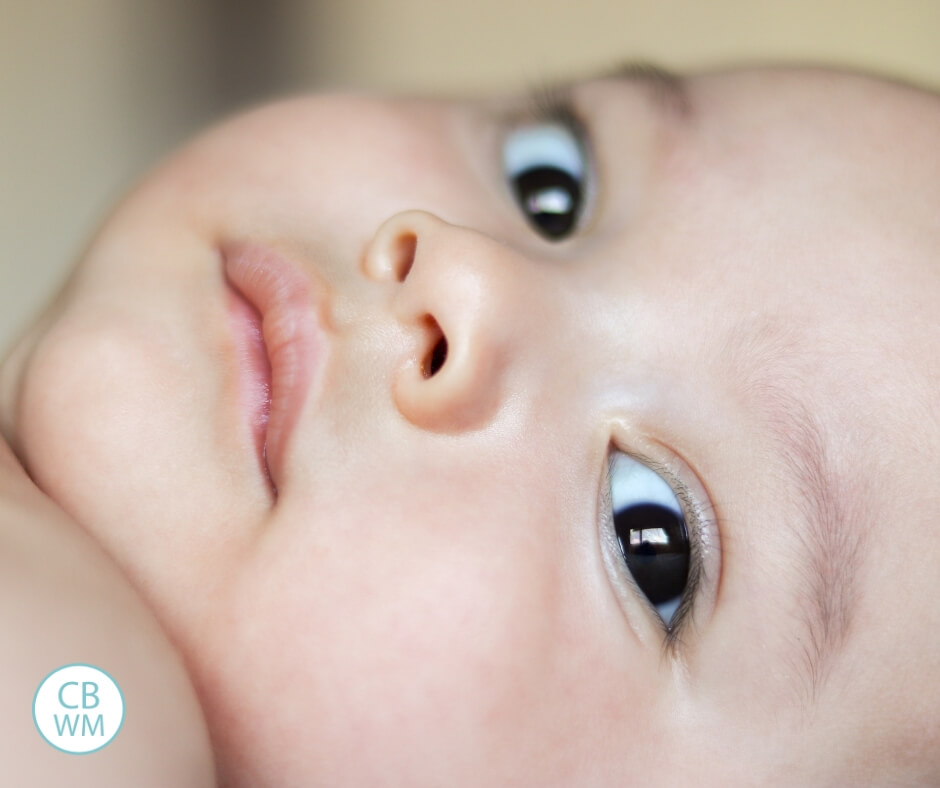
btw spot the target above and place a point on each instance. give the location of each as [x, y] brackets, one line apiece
[693, 325]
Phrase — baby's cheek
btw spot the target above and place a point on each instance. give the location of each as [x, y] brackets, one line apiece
[83, 404]
[119, 425]
[342, 664]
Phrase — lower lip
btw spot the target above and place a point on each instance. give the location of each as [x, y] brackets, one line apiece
[254, 368]
[281, 340]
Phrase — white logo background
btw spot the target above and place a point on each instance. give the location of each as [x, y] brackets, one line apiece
[78, 708]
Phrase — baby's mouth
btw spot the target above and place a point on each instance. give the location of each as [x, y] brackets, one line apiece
[255, 369]
[278, 312]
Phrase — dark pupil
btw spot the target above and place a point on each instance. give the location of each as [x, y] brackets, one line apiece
[551, 199]
[655, 545]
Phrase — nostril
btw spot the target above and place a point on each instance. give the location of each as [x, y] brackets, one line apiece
[438, 355]
[403, 250]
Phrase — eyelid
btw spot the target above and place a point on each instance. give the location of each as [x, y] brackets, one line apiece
[553, 103]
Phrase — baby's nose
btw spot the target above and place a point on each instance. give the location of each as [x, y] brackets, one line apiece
[456, 294]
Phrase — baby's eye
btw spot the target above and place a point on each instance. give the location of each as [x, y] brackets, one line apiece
[545, 165]
[652, 533]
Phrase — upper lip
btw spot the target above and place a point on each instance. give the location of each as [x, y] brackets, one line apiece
[293, 330]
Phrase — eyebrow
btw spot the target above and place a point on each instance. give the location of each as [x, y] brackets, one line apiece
[666, 88]
[828, 535]
[829, 529]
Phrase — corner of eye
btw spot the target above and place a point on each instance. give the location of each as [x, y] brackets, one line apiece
[674, 656]
[623, 432]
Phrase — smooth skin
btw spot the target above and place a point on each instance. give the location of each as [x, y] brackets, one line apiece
[433, 597]
[65, 601]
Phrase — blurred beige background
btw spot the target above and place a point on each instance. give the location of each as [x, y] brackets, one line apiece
[94, 91]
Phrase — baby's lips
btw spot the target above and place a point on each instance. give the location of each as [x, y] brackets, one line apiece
[292, 326]
[254, 369]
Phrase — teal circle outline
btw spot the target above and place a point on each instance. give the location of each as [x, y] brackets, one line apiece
[79, 665]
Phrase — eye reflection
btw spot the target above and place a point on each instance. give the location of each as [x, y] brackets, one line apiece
[651, 536]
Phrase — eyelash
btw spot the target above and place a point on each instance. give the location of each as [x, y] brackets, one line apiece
[696, 523]
[553, 103]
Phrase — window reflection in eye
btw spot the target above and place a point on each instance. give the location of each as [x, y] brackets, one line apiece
[649, 536]
[650, 527]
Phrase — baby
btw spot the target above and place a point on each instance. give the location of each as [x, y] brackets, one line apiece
[584, 440]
